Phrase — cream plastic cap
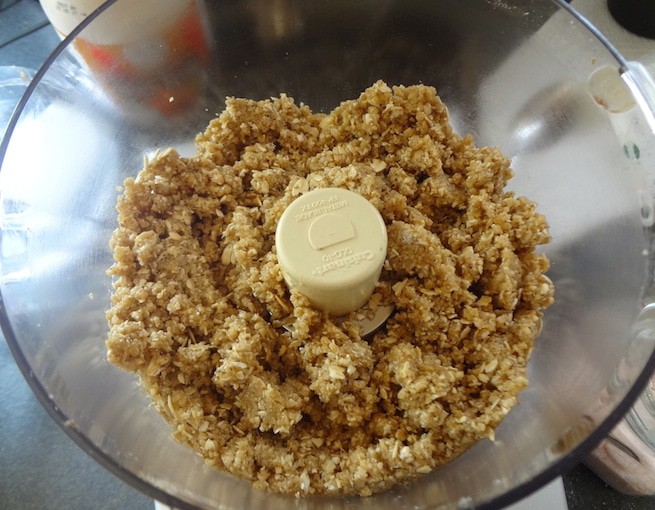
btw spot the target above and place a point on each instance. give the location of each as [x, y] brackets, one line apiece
[331, 244]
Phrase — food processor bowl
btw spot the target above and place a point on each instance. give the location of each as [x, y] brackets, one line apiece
[513, 74]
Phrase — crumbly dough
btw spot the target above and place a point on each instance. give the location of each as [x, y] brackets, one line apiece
[199, 299]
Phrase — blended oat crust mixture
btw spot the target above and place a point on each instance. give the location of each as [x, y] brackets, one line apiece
[199, 299]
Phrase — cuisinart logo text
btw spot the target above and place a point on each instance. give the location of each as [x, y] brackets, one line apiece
[350, 260]
[319, 207]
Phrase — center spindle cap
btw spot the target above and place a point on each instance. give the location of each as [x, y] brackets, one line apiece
[331, 244]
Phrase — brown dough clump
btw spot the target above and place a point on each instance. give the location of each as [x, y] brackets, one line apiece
[199, 298]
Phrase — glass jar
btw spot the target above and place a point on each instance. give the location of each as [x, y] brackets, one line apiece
[625, 459]
[128, 59]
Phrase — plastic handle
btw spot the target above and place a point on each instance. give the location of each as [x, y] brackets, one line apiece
[642, 85]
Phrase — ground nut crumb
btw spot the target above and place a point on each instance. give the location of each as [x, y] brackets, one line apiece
[199, 300]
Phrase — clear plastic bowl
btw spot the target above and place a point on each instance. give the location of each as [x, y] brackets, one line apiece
[13, 82]
[514, 74]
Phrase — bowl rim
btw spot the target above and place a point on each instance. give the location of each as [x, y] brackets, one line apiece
[560, 466]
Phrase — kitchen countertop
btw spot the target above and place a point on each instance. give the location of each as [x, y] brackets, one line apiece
[40, 467]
